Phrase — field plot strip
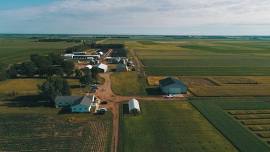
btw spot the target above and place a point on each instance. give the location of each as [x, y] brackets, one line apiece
[240, 136]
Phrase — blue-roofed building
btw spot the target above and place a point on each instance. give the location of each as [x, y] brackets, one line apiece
[172, 86]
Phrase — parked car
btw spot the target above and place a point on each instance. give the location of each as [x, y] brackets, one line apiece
[101, 111]
[169, 96]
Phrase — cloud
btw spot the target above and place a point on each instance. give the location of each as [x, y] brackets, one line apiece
[109, 15]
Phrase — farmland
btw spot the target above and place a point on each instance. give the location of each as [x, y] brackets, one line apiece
[243, 122]
[14, 50]
[204, 57]
[174, 126]
[46, 130]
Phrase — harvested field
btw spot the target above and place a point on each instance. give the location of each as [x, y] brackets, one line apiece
[253, 116]
[198, 81]
[246, 112]
[235, 80]
[256, 122]
[259, 127]
[231, 91]
[45, 130]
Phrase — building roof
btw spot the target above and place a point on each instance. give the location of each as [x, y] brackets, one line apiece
[68, 99]
[103, 66]
[89, 66]
[170, 81]
[133, 104]
[75, 100]
[87, 100]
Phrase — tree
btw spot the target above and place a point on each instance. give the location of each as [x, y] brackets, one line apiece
[54, 86]
[78, 73]
[3, 74]
[56, 59]
[29, 68]
[86, 79]
[42, 62]
[68, 67]
[95, 72]
[12, 72]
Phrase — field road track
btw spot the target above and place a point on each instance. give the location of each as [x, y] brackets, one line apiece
[105, 93]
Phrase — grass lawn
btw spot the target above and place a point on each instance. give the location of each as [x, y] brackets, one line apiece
[174, 126]
[46, 130]
[216, 112]
[20, 86]
[29, 86]
[128, 83]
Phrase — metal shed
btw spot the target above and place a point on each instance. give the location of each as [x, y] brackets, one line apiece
[134, 106]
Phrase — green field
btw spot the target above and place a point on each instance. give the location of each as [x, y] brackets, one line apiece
[43, 129]
[14, 50]
[169, 126]
[29, 86]
[215, 111]
[128, 83]
[203, 57]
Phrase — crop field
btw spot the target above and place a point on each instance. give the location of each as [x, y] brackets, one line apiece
[219, 86]
[244, 122]
[203, 57]
[174, 126]
[46, 130]
[14, 50]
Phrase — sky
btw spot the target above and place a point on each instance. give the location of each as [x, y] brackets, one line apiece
[149, 17]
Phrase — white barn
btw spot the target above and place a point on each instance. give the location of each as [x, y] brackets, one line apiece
[134, 106]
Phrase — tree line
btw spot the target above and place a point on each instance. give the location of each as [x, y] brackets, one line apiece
[42, 66]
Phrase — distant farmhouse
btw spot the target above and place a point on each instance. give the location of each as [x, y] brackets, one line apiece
[79, 104]
[172, 86]
[134, 106]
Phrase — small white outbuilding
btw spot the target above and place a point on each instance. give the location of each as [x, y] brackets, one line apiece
[89, 67]
[103, 67]
[134, 106]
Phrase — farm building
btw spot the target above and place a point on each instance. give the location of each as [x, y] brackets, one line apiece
[89, 67]
[172, 86]
[78, 104]
[113, 60]
[121, 68]
[68, 56]
[133, 106]
[103, 67]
